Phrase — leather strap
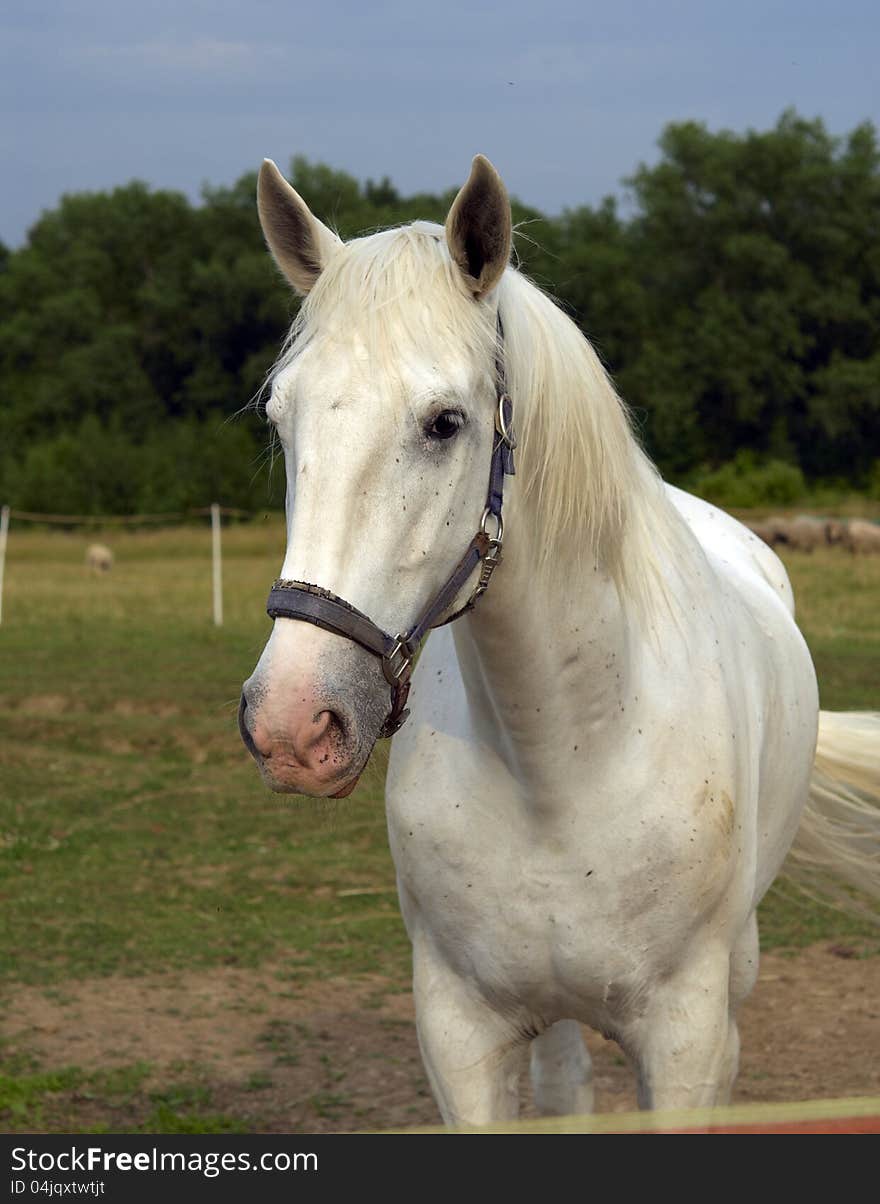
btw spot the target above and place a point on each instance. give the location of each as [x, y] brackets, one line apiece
[314, 604]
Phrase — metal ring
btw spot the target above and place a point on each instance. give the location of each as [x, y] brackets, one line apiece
[499, 535]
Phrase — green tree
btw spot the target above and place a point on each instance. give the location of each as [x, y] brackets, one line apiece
[738, 307]
[759, 256]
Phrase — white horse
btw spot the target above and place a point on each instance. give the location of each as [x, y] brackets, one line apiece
[607, 760]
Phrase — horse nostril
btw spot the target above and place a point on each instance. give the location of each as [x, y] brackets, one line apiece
[335, 728]
[323, 741]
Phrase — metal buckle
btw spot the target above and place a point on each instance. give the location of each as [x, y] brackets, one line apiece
[507, 433]
[395, 674]
[493, 554]
[390, 728]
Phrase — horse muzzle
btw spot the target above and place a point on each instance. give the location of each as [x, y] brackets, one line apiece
[312, 711]
[310, 753]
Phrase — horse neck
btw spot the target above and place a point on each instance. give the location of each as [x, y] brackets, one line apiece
[548, 668]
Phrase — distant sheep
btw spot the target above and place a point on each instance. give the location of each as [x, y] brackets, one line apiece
[803, 533]
[99, 558]
[772, 530]
[835, 531]
[862, 536]
[806, 533]
[763, 530]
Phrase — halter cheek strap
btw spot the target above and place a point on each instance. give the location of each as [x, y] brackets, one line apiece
[313, 604]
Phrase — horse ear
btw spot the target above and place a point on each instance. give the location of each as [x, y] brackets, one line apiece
[300, 244]
[478, 228]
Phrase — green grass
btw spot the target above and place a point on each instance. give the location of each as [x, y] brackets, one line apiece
[136, 836]
[135, 833]
[837, 598]
[72, 1101]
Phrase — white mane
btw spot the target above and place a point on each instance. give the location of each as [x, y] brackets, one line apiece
[589, 493]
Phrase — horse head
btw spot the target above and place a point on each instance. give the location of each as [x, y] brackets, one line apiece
[384, 401]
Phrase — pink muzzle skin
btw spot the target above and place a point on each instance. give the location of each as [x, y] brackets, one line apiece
[304, 754]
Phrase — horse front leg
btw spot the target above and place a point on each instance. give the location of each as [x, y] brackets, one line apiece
[474, 1057]
[684, 1043]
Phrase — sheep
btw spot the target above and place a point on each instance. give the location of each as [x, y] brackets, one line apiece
[772, 530]
[862, 536]
[804, 533]
[99, 558]
[835, 531]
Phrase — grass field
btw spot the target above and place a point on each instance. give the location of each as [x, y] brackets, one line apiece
[135, 834]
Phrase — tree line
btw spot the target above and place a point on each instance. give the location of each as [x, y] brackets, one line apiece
[734, 295]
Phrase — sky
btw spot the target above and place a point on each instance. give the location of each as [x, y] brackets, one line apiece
[565, 97]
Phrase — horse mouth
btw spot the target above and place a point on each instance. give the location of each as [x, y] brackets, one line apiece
[279, 782]
[346, 790]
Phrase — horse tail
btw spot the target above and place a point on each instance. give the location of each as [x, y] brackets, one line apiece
[837, 847]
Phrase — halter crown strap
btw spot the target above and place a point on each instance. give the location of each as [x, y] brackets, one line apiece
[314, 604]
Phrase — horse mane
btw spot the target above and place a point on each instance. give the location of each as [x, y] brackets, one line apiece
[590, 492]
[590, 496]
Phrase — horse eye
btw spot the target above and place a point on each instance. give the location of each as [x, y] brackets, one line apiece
[445, 425]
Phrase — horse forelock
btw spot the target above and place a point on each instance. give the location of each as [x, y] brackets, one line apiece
[394, 291]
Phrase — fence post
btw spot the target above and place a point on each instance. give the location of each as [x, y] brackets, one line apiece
[217, 565]
[4, 530]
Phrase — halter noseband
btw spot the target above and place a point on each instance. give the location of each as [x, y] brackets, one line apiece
[313, 604]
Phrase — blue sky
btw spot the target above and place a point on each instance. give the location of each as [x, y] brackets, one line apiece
[565, 97]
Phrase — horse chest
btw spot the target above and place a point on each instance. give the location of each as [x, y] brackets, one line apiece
[551, 918]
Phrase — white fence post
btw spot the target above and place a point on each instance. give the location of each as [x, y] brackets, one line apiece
[217, 564]
[4, 530]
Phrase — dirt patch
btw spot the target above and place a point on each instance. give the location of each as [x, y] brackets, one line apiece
[333, 1056]
[46, 704]
[131, 706]
[62, 704]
